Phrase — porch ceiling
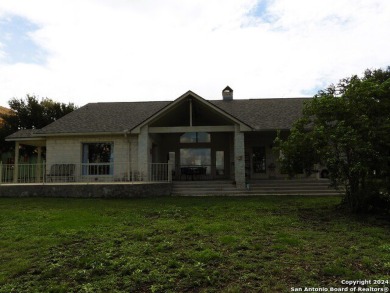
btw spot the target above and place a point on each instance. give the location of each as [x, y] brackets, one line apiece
[191, 112]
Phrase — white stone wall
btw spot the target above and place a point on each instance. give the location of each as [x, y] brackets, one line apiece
[68, 150]
[134, 151]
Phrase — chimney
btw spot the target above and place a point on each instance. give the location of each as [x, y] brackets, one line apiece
[227, 94]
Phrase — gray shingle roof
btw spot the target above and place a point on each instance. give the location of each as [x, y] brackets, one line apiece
[264, 114]
[104, 117]
[23, 133]
[116, 117]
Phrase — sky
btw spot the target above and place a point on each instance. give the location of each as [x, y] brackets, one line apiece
[142, 50]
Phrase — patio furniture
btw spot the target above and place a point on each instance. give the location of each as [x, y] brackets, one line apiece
[61, 173]
[193, 172]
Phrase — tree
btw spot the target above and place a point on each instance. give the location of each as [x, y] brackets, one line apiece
[347, 128]
[30, 113]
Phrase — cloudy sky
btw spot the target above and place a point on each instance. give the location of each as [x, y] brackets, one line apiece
[137, 50]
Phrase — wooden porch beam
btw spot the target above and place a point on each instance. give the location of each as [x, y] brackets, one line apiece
[178, 129]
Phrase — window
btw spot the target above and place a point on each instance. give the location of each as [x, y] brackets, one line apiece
[98, 159]
[195, 137]
[258, 160]
[196, 157]
[203, 137]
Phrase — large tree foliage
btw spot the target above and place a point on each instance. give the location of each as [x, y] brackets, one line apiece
[346, 128]
[30, 113]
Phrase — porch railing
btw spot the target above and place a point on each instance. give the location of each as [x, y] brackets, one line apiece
[79, 173]
[22, 173]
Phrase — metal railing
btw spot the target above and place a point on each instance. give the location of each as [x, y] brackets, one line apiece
[82, 172]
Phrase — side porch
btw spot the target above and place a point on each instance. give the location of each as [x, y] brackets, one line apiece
[46, 173]
[156, 154]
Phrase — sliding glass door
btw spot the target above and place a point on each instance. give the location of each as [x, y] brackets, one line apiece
[193, 157]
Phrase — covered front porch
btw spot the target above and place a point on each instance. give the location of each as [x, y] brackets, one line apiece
[199, 141]
[28, 160]
[47, 173]
[206, 154]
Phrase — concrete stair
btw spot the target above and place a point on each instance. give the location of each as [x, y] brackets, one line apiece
[256, 188]
[199, 188]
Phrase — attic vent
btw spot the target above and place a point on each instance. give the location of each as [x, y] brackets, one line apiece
[227, 94]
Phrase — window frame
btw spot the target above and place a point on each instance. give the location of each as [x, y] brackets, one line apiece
[105, 168]
[197, 136]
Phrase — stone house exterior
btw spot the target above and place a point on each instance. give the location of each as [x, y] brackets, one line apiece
[214, 139]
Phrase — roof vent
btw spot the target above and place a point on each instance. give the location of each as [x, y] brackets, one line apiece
[227, 94]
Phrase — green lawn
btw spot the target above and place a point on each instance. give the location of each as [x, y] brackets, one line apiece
[216, 244]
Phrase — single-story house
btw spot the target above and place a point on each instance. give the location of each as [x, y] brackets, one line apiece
[191, 136]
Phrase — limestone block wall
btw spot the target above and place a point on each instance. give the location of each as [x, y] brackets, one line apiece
[134, 151]
[94, 190]
[68, 150]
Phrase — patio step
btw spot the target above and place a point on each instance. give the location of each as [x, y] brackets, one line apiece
[260, 187]
[203, 188]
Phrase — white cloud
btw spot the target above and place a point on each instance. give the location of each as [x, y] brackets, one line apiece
[147, 50]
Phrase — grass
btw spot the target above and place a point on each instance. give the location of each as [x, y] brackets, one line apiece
[251, 244]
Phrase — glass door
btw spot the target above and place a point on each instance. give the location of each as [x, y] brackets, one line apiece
[195, 163]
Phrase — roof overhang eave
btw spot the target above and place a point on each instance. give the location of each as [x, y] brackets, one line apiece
[34, 138]
[32, 141]
[57, 134]
[270, 129]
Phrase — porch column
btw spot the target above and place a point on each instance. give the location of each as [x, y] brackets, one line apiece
[239, 158]
[143, 153]
[16, 165]
[39, 165]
